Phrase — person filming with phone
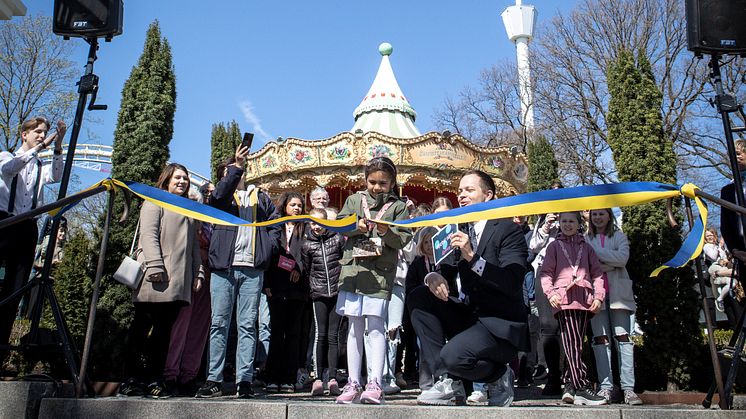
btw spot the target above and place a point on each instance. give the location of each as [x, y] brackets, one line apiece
[22, 180]
[476, 303]
[238, 258]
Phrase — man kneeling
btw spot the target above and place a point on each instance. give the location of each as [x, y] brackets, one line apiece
[476, 304]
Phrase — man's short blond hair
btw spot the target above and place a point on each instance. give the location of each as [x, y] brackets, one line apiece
[31, 124]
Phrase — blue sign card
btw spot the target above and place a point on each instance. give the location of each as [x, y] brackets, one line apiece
[442, 243]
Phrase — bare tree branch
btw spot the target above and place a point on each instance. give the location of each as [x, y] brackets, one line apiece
[570, 57]
[36, 76]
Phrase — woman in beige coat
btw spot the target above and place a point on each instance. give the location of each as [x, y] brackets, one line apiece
[171, 259]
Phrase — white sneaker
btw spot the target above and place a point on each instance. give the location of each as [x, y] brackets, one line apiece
[477, 398]
[444, 392]
[720, 305]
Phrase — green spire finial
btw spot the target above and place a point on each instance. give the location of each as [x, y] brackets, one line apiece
[385, 48]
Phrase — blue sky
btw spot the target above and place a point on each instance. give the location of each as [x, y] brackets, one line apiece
[297, 68]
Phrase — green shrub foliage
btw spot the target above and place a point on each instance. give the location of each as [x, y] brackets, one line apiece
[667, 305]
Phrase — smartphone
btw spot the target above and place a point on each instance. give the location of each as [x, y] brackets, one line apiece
[248, 138]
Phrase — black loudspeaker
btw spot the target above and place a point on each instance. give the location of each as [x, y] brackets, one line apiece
[716, 26]
[88, 18]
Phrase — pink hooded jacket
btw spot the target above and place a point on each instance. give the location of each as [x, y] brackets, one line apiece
[556, 274]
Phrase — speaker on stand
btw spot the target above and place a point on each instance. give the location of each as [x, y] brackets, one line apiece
[88, 18]
[716, 28]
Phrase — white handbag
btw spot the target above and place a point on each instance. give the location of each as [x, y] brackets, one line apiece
[130, 271]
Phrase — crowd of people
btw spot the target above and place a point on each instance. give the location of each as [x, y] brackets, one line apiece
[362, 314]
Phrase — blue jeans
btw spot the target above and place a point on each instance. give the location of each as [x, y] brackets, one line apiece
[617, 323]
[241, 285]
[262, 348]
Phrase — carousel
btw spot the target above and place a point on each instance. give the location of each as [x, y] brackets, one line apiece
[429, 165]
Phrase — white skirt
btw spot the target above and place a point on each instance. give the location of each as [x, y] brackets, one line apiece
[351, 304]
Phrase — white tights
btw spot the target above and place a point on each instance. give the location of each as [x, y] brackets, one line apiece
[355, 347]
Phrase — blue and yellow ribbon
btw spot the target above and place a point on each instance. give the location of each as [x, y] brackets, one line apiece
[577, 199]
[542, 202]
[206, 213]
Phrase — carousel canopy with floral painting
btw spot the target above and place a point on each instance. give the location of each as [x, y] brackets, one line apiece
[429, 165]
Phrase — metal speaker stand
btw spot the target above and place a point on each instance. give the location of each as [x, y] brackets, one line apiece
[725, 105]
[87, 86]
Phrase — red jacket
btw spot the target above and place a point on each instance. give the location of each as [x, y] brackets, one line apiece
[557, 273]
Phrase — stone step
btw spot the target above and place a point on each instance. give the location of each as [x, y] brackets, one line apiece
[21, 399]
[141, 408]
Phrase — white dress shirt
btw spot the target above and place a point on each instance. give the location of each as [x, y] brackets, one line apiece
[25, 164]
[478, 265]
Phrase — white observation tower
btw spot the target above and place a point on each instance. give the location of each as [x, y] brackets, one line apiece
[519, 22]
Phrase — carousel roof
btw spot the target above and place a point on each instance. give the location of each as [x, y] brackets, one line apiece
[385, 109]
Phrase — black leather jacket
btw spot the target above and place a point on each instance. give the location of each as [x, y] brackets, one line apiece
[321, 255]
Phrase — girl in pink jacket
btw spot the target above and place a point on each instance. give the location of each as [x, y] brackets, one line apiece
[572, 280]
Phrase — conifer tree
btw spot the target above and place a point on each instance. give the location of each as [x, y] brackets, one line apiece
[72, 283]
[141, 150]
[667, 306]
[223, 144]
[542, 165]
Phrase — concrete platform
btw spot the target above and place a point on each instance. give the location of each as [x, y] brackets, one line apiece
[264, 408]
[52, 401]
[22, 399]
[302, 406]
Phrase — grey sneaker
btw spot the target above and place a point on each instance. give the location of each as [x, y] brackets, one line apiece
[390, 388]
[444, 392]
[631, 398]
[501, 391]
[606, 394]
[586, 397]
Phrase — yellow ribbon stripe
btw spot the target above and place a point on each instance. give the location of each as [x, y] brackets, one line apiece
[558, 200]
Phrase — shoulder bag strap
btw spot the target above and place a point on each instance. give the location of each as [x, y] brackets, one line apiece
[134, 238]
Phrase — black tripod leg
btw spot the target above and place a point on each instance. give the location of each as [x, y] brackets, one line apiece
[737, 350]
[707, 402]
[63, 333]
[36, 311]
[709, 321]
[19, 292]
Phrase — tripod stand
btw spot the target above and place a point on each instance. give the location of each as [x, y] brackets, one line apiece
[88, 85]
[726, 104]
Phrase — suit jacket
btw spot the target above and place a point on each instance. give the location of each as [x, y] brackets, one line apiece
[416, 274]
[730, 222]
[496, 296]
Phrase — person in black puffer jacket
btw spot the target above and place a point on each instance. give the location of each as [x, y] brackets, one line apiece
[321, 252]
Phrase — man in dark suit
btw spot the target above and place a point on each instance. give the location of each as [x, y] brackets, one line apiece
[732, 232]
[476, 304]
